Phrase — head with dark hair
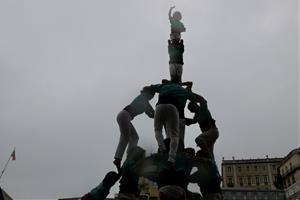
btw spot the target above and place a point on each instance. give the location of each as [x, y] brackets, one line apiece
[189, 151]
[171, 192]
[136, 153]
[111, 178]
[177, 15]
[164, 81]
[193, 106]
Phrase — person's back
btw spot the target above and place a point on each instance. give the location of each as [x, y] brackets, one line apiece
[174, 94]
[141, 104]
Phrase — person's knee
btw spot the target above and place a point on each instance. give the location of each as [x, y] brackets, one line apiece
[124, 138]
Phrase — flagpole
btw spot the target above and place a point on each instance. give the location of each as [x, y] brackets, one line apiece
[6, 164]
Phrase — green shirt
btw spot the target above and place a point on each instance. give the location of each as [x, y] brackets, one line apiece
[100, 192]
[203, 117]
[130, 178]
[171, 93]
[139, 105]
[207, 171]
[202, 114]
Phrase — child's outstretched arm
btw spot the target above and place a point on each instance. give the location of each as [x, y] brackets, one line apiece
[170, 12]
[189, 121]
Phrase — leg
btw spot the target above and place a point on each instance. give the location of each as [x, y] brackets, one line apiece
[208, 138]
[123, 120]
[179, 70]
[172, 69]
[173, 130]
[133, 138]
[181, 130]
[158, 126]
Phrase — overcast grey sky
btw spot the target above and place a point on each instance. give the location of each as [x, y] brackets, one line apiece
[68, 67]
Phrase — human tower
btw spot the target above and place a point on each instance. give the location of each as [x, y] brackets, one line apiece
[173, 163]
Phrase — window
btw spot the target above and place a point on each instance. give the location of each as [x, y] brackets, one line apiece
[239, 168]
[263, 168]
[241, 181]
[261, 179]
[266, 180]
[255, 168]
[257, 180]
[291, 166]
[293, 179]
[247, 167]
[230, 182]
[249, 180]
[274, 167]
[229, 169]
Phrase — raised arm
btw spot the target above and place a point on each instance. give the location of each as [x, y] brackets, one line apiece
[170, 12]
[189, 121]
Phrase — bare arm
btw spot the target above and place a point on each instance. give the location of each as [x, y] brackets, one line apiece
[189, 121]
[170, 12]
[150, 111]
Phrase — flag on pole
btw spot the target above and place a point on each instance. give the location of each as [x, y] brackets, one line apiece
[13, 155]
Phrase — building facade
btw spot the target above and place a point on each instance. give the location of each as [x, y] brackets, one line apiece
[252, 194]
[250, 173]
[290, 173]
[251, 179]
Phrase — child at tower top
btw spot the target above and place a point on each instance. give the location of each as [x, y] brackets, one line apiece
[176, 25]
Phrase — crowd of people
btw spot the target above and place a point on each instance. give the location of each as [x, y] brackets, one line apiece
[172, 165]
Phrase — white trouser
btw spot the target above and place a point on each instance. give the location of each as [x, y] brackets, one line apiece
[175, 72]
[167, 115]
[128, 134]
[181, 131]
[209, 138]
